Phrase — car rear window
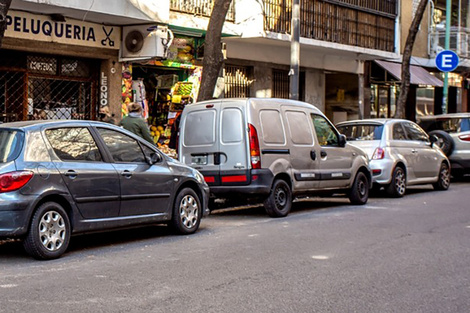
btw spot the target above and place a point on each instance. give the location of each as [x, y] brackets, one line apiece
[449, 125]
[361, 132]
[11, 142]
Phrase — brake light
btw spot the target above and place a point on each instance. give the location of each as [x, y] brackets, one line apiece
[14, 180]
[379, 154]
[254, 148]
[464, 137]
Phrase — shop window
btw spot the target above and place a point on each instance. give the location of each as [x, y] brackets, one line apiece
[238, 81]
[47, 87]
[281, 84]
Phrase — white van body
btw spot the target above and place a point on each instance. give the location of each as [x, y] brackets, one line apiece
[270, 148]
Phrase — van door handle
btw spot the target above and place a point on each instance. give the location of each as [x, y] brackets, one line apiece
[217, 158]
[313, 155]
[414, 151]
[323, 154]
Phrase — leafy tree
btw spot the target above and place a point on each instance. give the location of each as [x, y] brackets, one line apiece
[213, 57]
[4, 6]
[405, 66]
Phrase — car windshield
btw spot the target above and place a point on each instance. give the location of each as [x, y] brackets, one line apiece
[11, 142]
[362, 131]
[449, 125]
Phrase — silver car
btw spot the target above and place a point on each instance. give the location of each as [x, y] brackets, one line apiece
[453, 134]
[400, 152]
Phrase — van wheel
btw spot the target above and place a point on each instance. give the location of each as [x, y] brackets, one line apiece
[186, 212]
[359, 193]
[279, 201]
[397, 186]
[49, 232]
[443, 181]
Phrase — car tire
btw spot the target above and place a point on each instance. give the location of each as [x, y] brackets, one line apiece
[443, 182]
[397, 186]
[279, 201]
[49, 232]
[187, 212]
[444, 141]
[359, 193]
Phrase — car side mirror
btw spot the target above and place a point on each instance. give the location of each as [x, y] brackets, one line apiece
[342, 140]
[154, 158]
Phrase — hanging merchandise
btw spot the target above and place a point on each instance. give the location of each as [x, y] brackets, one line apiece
[126, 92]
[138, 90]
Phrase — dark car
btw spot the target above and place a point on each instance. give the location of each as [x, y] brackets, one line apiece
[59, 178]
[452, 132]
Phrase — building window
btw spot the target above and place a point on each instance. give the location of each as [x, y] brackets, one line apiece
[281, 84]
[238, 81]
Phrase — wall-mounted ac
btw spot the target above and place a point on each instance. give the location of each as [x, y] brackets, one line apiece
[145, 41]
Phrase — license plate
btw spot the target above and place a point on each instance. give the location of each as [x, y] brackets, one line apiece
[199, 159]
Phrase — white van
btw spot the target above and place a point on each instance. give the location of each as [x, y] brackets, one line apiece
[271, 149]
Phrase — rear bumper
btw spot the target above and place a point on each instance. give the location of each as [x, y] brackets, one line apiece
[260, 183]
[14, 216]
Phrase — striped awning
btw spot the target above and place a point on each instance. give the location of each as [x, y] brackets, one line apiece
[418, 75]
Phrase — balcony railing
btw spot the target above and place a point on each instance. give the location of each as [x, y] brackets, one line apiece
[200, 7]
[459, 41]
[366, 23]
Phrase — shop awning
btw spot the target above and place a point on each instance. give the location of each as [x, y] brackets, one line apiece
[418, 75]
[192, 32]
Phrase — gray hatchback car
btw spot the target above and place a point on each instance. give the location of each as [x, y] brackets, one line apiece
[59, 178]
[400, 152]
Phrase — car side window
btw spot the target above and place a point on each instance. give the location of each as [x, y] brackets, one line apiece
[123, 148]
[414, 132]
[398, 133]
[326, 135]
[73, 144]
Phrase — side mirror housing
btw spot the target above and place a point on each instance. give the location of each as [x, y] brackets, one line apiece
[342, 140]
[154, 158]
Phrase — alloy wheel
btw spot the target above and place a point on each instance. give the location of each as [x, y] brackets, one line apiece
[52, 230]
[189, 211]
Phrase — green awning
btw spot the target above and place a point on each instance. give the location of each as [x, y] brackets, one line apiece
[192, 32]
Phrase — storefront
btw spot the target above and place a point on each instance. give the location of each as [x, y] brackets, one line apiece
[55, 69]
[163, 88]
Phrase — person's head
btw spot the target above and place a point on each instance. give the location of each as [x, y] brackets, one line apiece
[134, 107]
[104, 112]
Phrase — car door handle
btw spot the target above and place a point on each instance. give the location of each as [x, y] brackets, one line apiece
[313, 155]
[414, 151]
[71, 174]
[323, 154]
[126, 174]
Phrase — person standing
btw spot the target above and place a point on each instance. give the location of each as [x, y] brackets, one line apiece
[135, 123]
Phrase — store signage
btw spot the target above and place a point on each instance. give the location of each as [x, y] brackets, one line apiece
[447, 61]
[104, 90]
[42, 28]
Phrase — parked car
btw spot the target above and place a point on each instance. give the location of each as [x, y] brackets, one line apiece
[453, 137]
[270, 150]
[59, 178]
[400, 152]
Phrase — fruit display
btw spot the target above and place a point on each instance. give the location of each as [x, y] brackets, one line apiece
[183, 89]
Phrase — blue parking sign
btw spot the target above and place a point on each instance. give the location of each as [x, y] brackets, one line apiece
[447, 61]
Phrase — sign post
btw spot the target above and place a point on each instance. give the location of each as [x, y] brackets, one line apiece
[446, 61]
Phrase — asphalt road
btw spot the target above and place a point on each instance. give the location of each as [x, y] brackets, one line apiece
[391, 255]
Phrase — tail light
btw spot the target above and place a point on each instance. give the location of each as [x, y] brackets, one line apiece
[254, 148]
[14, 180]
[379, 154]
[464, 137]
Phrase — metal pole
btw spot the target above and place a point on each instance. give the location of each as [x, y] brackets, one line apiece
[447, 47]
[295, 51]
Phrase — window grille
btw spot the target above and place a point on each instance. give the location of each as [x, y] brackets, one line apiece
[281, 84]
[200, 7]
[237, 81]
[46, 87]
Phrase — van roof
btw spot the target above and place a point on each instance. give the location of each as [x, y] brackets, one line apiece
[273, 101]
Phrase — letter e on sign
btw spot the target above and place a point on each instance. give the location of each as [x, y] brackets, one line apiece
[447, 61]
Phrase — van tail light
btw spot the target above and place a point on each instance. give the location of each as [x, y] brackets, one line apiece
[254, 148]
[379, 154]
[464, 137]
[14, 180]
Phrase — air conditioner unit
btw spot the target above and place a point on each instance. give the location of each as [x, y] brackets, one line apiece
[145, 41]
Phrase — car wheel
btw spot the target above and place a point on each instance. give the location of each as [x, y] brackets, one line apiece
[397, 186]
[443, 181]
[186, 212]
[359, 193]
[444, 141]
[279, 201]
[49, 232]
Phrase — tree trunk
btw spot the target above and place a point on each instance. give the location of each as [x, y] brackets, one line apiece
[405, 66]
[213, 57]
[4, 6]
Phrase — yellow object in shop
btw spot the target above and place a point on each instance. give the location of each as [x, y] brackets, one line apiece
[153, 128]
[160, 128]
